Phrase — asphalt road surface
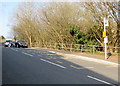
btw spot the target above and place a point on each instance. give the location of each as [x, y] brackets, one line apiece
[29, 66]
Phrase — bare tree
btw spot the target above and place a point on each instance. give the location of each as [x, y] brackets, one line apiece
[27, 25]
[99, 10]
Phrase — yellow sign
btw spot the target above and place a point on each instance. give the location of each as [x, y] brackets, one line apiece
[104, 34]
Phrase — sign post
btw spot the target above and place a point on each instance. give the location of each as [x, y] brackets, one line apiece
[105, 37]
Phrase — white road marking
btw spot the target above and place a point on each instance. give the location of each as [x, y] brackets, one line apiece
[53, 63]
[105, 82]
[52, 52]
[39, 55]
[80, 67]
[27, 54]
[12, 48]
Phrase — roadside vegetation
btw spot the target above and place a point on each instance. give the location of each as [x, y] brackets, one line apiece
[2, 38]
[66, 22]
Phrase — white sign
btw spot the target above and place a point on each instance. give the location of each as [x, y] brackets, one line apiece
[106, 39]
[106, 22]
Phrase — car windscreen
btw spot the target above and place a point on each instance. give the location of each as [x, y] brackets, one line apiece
[21, 41]
[8, 41]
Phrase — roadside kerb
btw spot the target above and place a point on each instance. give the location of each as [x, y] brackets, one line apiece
[88, 58]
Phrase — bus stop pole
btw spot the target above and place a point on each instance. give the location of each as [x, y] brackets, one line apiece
[105, 38]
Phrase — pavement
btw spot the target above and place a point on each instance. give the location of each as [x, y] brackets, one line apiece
[42, 66]
[92, 57]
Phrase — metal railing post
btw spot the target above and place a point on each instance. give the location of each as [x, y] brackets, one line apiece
[81, 47]
[71, 47]
[55, 46]
[93, 49]
[62, 45]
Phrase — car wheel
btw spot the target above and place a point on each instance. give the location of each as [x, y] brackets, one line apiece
[18, 46]
[9, 45]
[25, 46]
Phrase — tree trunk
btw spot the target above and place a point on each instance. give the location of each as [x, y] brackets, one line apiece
[30, 41]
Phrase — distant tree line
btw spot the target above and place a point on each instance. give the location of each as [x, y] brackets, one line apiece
[2, 38]
[66, 22]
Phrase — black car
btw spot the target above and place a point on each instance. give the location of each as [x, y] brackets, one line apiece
[21, 43]
[12, 44]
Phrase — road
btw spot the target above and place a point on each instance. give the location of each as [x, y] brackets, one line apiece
[0, 63]
[30, 66]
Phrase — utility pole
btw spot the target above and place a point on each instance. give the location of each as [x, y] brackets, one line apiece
[105, 37]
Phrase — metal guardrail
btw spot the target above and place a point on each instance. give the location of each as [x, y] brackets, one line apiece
[81, 48]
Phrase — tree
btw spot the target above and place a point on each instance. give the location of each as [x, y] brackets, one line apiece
[100, 10]
[26, 24]
[2, 37]
[58, 17]
[66, 22]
